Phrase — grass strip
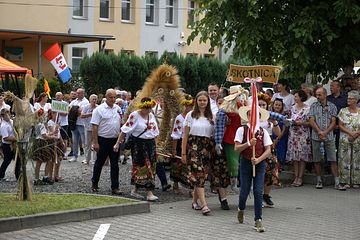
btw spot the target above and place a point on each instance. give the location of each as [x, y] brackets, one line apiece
[43, 203]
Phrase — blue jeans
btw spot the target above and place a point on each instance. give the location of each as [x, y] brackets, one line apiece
[78, 133]
[258, 185]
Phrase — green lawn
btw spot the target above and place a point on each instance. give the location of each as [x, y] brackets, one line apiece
[42, 203]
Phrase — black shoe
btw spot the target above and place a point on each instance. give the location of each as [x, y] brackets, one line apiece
[124, 161]
[94, 187]
[116, 191]
[81, 151]
[166, 187]
[267, 201]
[225, 205]
[48, 180]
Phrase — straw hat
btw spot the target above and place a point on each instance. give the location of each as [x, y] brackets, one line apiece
[235, 91]
[264, 114]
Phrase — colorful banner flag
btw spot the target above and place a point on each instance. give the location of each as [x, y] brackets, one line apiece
[47, 88]
[57, 59]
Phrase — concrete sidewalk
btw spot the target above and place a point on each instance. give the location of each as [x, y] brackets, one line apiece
[300, 213]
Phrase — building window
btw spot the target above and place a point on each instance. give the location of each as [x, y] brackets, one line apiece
[171, 12]
[192, 54]
[191, 13]
[151, 54]
[126, 11]
[105, 9]
[209, 55]
[109, 51]
[78, 8]
[77, 55]
[150, 11]
[128, 52]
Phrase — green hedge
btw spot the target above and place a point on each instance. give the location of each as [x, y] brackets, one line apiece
[101, 71]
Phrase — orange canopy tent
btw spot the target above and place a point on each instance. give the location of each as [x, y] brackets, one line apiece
[9, 67]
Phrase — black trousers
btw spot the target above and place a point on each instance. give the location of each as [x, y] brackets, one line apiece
[8, 156]
[106, 150]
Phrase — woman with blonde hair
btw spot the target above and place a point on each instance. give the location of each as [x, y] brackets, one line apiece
[143, 130]
[198, 147]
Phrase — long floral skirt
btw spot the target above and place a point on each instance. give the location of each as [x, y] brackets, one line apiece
[179, 171]
[143, 153]
[219, 170]
[272, 170]
[199, 152]
[43, 150]
[349, 161]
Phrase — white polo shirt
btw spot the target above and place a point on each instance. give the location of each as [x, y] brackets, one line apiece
[6, 131]
[81, 103]
[107, 119]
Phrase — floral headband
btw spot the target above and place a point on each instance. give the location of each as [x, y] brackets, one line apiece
[264, 97]
[147, 104]
[187, 102]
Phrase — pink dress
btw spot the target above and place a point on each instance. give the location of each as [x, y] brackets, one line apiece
[299, 142]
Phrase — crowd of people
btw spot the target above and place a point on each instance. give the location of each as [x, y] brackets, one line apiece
[211, 140]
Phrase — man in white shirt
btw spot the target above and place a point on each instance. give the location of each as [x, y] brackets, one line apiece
[283, 93]
[79, 131]
[213, 91]
[106, 120]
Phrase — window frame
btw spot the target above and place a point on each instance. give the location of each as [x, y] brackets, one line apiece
[83, 53]
[174, 9]
[155, 12]
[130, 2]
[191, 10]
[109, 11]
[84, 13]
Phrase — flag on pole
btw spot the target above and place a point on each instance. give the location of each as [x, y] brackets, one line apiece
[254, 120]
[47, 88]
[57, 59]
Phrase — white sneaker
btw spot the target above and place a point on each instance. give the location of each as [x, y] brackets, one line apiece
[152, 198]
[73, 159]
[319, 185]
[84, 162]
[136, 195]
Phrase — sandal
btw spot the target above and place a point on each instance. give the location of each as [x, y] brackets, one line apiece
[196, 206]
[205, 210]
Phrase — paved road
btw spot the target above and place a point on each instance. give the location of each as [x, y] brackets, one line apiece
[300, 213]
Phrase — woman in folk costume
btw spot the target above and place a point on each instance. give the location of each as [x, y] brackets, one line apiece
[227, 122]
[142, 129]
[179, 172]
[254, 144]
[198, 147]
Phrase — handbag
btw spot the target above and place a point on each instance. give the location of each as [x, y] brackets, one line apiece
[131, 140]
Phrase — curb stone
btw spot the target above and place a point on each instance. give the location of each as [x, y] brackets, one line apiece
[44, 219]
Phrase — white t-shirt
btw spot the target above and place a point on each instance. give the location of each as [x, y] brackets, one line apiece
[6, 106]
[310, 101]
[86, 110]
[6, 131]
[52, 124]
[214, 106]
[81, 103]
[108, 120]
[240, 134]
[63, 119]
[178, 127]
[135, 125]
[40, 130]
[288, 100]
[45, 108]
[199, 127]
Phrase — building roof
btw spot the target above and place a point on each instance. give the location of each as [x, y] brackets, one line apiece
[10, 67]
[51, 37]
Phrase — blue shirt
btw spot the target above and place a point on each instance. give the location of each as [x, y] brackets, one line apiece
[340, 101]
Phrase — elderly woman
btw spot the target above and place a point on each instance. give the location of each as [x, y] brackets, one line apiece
[349, 149]
[299, 144]
[142, 129]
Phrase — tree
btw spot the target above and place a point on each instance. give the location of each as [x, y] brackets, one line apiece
[319, 36]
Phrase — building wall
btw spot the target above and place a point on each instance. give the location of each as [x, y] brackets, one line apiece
[34, 15]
